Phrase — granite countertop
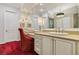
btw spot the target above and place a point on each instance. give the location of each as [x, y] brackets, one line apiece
[64, 36]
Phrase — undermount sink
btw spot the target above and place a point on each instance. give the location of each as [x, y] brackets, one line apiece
[58, 33]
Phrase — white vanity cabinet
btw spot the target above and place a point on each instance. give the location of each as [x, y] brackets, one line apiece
[64, 47]
[53, 45]
[38, 44]
[47, 45]
[43, 45]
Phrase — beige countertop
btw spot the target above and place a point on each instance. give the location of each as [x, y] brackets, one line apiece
[65, 36]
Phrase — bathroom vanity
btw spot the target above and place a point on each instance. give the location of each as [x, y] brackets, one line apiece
[49, 43]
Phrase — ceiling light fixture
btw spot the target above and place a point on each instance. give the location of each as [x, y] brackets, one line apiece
[60, 14]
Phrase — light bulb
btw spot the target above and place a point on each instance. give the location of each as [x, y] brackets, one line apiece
[41, 4]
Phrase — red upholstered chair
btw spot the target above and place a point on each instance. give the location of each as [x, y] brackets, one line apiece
[27, 42]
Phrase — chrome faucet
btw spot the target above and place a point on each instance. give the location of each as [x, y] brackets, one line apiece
[59, 30]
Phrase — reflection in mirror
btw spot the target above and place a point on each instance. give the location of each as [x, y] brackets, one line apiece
[51, 22]
[76, 20]
[69, 20]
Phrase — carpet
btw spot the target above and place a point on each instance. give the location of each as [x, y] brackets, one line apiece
[14, 48]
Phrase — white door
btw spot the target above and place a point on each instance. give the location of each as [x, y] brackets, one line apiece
[11, 26]
[1, 26]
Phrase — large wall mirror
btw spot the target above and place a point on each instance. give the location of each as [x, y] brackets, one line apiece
[69, 20]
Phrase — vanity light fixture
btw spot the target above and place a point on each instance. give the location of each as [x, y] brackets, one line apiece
[60, 14]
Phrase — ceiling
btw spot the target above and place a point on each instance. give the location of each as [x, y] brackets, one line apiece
[40, 8]
[34, 8]
[37, 8]
[15, 5]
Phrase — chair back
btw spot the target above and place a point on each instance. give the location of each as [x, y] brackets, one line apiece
[21, 33]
